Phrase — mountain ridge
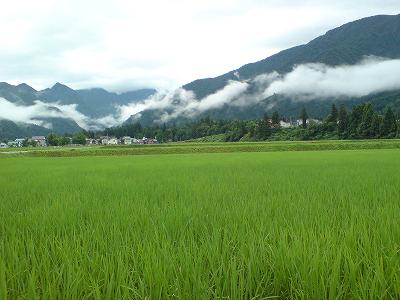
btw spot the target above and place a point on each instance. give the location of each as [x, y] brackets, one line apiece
[93, 103]
[346, 44]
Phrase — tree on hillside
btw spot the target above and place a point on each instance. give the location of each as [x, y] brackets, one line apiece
[262, 130]
[266, 118]
[343, 122]
[376, 125]
[304, 117]
[275, 118]
[388, 126]
[79, 138]
[52, 139]
[333, 116]
[355, 120]
[365, 127]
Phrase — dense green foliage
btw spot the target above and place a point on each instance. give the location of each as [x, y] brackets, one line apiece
[361, 123]
[11, 130]
[212, 226]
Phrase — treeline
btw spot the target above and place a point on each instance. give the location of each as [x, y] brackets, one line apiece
[362, 122]
[62, 140]
[233, 129]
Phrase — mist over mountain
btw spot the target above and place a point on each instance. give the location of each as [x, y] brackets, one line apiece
[346, 45]
[356, 62]
[346, 65]
[59, 109]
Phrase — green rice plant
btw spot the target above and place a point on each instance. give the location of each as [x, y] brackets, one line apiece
[262, 225]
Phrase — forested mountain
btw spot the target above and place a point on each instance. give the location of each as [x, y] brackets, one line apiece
[347, 44]
[377, 36]
[10, 130]
[93, 103]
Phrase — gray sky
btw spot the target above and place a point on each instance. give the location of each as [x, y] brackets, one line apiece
[126, 44]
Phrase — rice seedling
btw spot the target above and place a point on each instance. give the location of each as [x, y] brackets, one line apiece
[272, 225]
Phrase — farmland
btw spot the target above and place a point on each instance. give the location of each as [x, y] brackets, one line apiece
[223, 221]
[207, 147]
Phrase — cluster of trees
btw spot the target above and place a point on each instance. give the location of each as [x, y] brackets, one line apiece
[361, 123]
[62, 140]
[233, 130]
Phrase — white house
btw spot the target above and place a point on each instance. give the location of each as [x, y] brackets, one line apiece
[40, 140]
[127, 140]
[20, 142]
[3, 145]
[112, 141]
[91, 142]
[314, 121]
[104, 140]
[283, 124]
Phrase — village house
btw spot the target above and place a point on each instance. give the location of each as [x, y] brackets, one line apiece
[284, 124]
[309, 121]
[148, 141]
[12, 144]
[105, 140]
[127, 140]
[152, 141]
[91, 142]
[113, 141]
[20, 142]
[39, 140]
[3, 145]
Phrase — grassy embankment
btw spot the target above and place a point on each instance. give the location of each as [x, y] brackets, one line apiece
[187, 148]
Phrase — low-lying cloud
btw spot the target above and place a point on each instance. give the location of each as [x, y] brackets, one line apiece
[305, 82]
[311, 81]
[39, 112]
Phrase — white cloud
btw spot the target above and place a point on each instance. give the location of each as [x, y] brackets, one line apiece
[125, 44]
[191, 107]
[311, 81]
[38, 112]
[305, 82]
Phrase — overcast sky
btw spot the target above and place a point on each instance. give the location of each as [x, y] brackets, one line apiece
[127, 44]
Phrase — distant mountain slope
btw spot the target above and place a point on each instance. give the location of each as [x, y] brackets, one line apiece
[10, 130]
[93, 103]
[347, 44]
[20, 94]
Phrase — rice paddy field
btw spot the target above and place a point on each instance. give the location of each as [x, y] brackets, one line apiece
[238, 225]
